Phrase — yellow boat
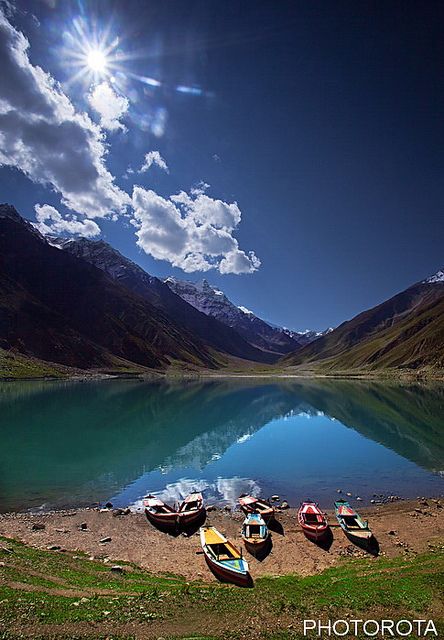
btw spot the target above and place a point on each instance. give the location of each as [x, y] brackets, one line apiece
[224, 559]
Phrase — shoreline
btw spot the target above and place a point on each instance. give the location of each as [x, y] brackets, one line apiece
[401, 528]
[157, 376]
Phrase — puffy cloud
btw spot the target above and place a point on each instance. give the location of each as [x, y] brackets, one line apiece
[109, 105]
[42, 135]
[239, 262]
[51, 222]
[153, 157]
[192, 233]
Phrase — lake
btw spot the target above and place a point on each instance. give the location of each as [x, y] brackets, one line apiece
[79, 443]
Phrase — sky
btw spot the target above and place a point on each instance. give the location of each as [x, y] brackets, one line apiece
[290, 153]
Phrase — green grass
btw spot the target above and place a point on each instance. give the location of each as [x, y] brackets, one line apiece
[41, 587]
[17, 366]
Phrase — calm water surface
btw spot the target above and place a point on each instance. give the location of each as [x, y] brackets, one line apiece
[77, 443]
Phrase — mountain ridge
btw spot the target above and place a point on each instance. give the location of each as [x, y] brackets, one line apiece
[404, 332]
[58, 308]
[213, 302]
[130, 275]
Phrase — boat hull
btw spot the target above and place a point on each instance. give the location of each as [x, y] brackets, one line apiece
[166, 521]
[191, 517]
[314, 534]
[226, 575]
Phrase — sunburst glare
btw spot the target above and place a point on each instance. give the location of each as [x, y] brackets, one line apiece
[97, 61]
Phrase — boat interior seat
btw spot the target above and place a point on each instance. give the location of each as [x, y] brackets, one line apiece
[312, 518]
[351, 522]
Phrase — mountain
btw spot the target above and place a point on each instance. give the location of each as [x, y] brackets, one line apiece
[215, 303]
[404, 332]
[210, 331]
[58, 308]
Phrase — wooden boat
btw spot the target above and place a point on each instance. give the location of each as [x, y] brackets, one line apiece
[312, 520]
[223, 558]
[351, 522]
[249, 504]
[159, 513]
[255, 533]
[191, 509]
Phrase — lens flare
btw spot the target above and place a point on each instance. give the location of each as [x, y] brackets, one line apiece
[96, 60]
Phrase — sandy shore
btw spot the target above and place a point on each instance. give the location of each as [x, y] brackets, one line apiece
[400, 528]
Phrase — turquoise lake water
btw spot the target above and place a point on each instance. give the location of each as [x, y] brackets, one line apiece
[80, 443]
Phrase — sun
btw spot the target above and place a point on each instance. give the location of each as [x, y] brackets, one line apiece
[96, 60]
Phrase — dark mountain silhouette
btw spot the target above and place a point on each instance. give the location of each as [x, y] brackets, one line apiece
[59, 308]
[212, 332]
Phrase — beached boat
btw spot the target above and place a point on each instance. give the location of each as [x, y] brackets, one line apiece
[255, 533]
[351, 522]
[191, 509]
[249, 504]
[159, 513]
[223, 558]
[312, 520]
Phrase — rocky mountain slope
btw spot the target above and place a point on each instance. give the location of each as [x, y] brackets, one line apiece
[259, 333]
[57, 307]
[404, 332]
[213, 333]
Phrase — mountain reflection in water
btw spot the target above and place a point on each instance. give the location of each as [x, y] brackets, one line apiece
[74, 443]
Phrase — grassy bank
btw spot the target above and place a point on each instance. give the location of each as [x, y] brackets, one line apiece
[54, 594]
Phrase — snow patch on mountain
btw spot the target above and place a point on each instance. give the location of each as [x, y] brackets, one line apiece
[245, 310]
[436, 278]
[262, 334]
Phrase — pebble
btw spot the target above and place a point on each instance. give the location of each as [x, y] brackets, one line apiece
[38, 526]
[109, 505]
[106, 539]
[227, 507]
[211, 507]
[83, 526]
[392, 533]
[54, 547]
[62, 530]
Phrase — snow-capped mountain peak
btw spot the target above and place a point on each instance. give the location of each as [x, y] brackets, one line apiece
[436, 278]
[258, 332]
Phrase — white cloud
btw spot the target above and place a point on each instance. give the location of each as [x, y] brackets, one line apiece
[153, 157]
[51, 222]
[42, 135]
[192, 233]
[199, 188]
[109, 105]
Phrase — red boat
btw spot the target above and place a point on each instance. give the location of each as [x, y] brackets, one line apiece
[249, 504]
[159, 513]
[312, 520]
[191, 509]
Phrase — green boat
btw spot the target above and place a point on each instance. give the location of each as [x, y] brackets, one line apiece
[351, 522]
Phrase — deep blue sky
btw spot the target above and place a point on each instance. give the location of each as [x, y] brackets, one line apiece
[327, 122]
